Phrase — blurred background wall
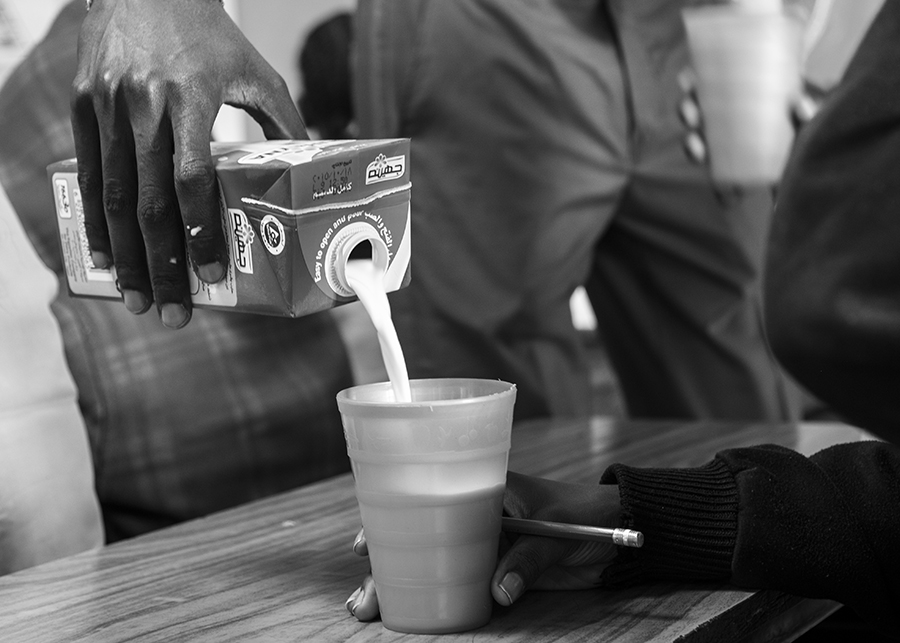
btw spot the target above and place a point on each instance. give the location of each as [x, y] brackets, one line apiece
[276, 28]
[23, 23]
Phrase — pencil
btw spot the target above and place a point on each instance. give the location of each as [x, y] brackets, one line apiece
[623, 537]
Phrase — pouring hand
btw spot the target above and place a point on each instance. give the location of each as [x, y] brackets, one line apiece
[152, 75]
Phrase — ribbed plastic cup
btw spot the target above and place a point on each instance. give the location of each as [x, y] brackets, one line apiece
[747, 64]
[430, 477]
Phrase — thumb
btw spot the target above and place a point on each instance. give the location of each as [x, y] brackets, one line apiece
[523, 564]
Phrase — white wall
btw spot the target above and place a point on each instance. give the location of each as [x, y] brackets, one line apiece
[22, 24]
[276, 28]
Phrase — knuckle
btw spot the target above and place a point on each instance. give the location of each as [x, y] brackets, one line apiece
[104, 94]
[142, 91]
[278, 82]
[90, 183]
[137, 82]
[527, 559]
[116, 198]
[194, 177]
[154, 211]
[82, 96]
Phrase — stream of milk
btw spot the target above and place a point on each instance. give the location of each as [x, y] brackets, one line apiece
[367, 282]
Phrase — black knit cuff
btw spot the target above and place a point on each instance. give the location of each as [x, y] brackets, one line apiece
[688, 518]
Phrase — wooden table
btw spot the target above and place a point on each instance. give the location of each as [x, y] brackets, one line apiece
[280, 569]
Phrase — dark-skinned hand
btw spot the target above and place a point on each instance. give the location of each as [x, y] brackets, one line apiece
[152, 75]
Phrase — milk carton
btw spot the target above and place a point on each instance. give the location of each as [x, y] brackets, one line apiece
[293, 213]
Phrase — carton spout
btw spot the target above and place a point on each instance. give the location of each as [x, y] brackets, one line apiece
[351, 239]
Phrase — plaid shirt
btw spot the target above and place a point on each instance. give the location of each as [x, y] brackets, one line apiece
[181, 423]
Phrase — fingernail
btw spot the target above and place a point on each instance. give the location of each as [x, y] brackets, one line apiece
[353, 602]
[356, 542]
[805, 109]
[695, 147]
[100, 259]
[512, 585]
[174, 315]
[211, 272]
[690, 113]
[135, 301]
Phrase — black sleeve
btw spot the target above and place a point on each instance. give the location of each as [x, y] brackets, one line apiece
[769, 518]
[832, 284]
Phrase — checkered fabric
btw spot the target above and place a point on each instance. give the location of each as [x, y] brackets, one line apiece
[181, 423]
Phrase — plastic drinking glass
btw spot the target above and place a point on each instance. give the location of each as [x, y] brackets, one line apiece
[747, 64]
[430, 477]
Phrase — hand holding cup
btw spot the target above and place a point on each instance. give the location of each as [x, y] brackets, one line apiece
[747, 62]
[533, 562]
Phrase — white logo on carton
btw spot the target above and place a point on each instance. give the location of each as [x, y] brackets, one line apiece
[272, 233]
[243, 236]
[385, 169]
[63, 204]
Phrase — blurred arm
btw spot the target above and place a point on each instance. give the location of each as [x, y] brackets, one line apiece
[48, 508]
[833, 273]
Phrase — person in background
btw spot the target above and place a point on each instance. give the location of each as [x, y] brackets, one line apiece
[766, 517]
[548, 155]
[326, 103]
[233, 408]
[542, 162]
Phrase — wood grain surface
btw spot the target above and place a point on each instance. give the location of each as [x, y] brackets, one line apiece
[281, 569]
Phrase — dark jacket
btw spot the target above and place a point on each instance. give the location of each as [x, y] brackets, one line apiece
[827, 526]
